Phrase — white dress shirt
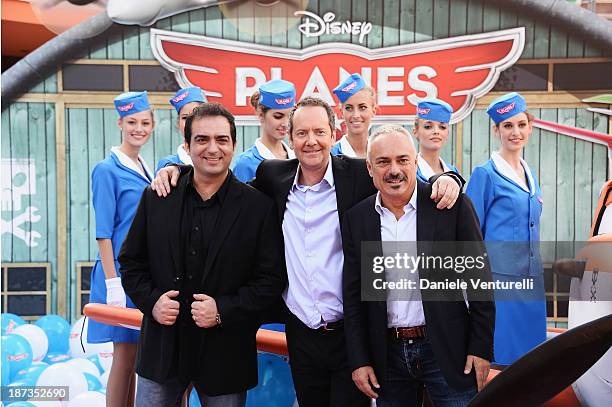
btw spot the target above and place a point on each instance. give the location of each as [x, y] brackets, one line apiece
[409, 311]
[506, 169]
[313, 252]
[426, 169]
[269, 155]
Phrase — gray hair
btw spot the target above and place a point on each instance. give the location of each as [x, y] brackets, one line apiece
[388, 129]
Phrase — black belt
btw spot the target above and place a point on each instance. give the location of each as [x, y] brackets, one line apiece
[331, 326]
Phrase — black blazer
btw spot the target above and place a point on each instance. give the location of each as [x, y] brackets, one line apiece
[243, 272]
[453, 330]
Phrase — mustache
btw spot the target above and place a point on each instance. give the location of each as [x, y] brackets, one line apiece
[395, 177]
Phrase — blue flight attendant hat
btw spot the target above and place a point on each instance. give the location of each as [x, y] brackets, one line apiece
[349, 87]
[434, 109]
[132, 102]
[277, 94]
[506, 106]
[187, 95]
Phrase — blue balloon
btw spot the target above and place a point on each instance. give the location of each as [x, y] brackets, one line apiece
[35, 369]
[194, 399]
[275, 388]
[19, 353]
[10, 322]
[96, 361]
[58, 332]
[93, 383]
[5, 367]
[22, 404]
[53, 358]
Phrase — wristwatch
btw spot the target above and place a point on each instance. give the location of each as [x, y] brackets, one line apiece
[218, 319]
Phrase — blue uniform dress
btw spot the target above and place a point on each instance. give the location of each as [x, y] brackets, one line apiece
[117, 186]
[510, 212]
[343, 147]
[247, 162]
[181, 157]
[424, 170]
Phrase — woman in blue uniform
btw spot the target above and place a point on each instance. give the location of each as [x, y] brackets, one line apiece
[507, 198]
[272, 103]
[431, 129]
[117, 184]
[184, 101]
[358, 107]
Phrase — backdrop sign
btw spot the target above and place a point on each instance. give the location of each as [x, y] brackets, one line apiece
[458, 69]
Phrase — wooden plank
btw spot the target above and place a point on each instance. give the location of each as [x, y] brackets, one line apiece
[529, 24]
[262, 26]
[281, 18]
[37, 151]
[407, 21]
[490, 17]
[51, 84]
[78, 194]
[541, 41]
[508, 19]
[359, 12]
[197, 21]
[391, 32]
[95, 154]
[575, 47]
[558, 43]
[294, 36]
[131, 40]
[342, 9]
[144, 43]
[565, 178]
[481, 137]
[474, 18]
[248, 23]
[180, 22]
[115, 47]
[50, 182]
[7, 241]
[162, 138]
[62, 208]
[99, 52]
[229, 30]
[466, 148]
[458, 17]
[441, 21]
[592, 51]
[111, 133]
[214, 22]
[375, 16]
[20, 149]
[583, 168]
[600, 158]
[38, 88]
[548, 185]
[424, 20]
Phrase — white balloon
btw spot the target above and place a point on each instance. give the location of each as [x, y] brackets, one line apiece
[104, 378]
[45, 403]
[104, 350]
[62, 374]
[85, 366]
[88, 399]
[37, 338]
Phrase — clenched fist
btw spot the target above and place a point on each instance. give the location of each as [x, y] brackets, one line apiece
[166, 309]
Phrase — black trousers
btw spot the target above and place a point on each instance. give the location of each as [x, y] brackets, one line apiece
[319, 367]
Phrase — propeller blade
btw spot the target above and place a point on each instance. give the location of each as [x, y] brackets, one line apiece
[548, 369]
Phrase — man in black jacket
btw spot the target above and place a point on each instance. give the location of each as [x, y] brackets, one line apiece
[201, 265]
[312, 194]
[398, 343]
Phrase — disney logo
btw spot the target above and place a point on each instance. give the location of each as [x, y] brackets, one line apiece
[314, 26]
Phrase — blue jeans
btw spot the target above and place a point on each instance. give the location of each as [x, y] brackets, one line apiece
[150, 393]
[410, 367]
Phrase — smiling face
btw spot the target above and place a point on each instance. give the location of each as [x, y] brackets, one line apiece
[312, 137]
[358, 111]
[514, 132]
[432, 135]
[392, 163]
[136, 129]
[211, 148]
[274, 123]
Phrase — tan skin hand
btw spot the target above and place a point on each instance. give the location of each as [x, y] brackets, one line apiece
[366, 381]
[165, 180]
[166, 309]
[204, 311]
[481, 368]
[445, 192]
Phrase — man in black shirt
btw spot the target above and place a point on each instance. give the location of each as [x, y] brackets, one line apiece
[201, 265]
